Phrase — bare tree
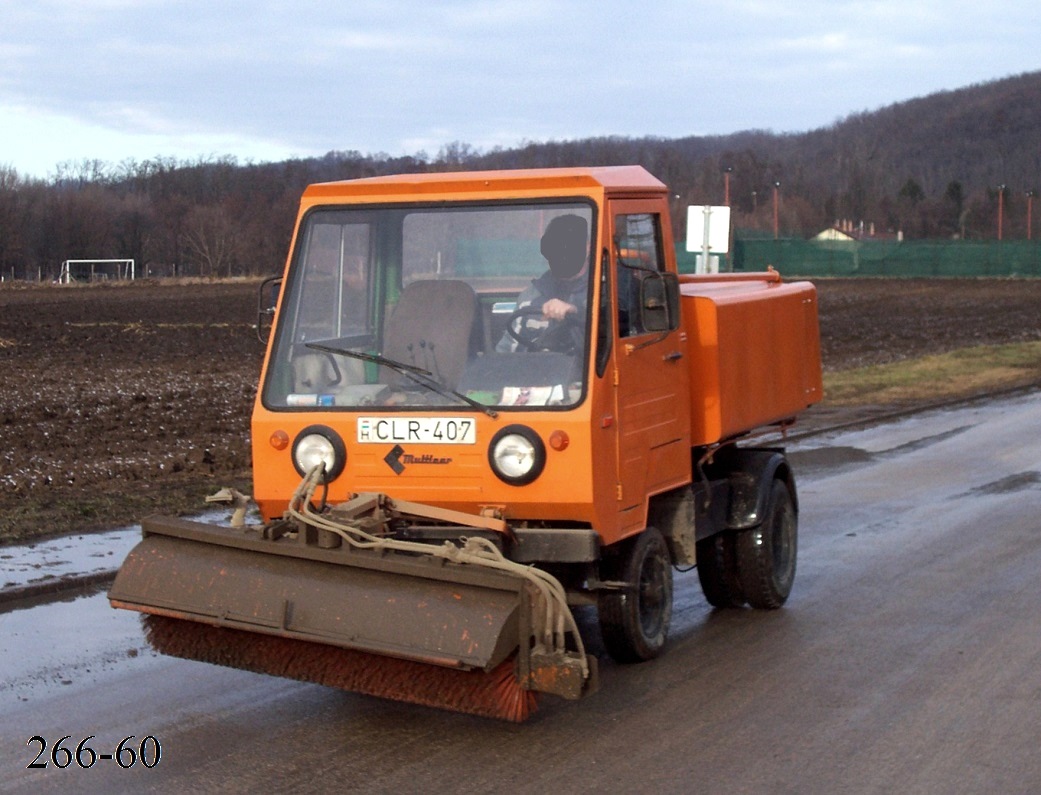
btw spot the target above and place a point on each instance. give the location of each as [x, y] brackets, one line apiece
[213, 239]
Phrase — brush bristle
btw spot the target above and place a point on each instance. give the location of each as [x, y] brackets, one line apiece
[496, 694]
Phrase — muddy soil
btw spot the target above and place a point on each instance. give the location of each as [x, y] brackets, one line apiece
[123, 400]
[120, 401]
[874, 321]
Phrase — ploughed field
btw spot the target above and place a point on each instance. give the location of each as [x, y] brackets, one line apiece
[122, 400]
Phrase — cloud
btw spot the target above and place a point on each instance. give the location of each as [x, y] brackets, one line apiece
[400, 76]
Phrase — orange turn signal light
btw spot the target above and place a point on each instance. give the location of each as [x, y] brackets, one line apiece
[559, 440]
[279, 440]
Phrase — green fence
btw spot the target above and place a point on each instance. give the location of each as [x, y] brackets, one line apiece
[794, 257]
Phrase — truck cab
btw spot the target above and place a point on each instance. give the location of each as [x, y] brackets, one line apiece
[411, 336]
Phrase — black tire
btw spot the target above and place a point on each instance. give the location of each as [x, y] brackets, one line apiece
[634, 622]
[766, 554]
[717, 571]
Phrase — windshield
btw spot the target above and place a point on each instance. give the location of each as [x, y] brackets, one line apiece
[424, 306]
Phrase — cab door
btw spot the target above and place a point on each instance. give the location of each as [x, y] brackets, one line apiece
[650, 369]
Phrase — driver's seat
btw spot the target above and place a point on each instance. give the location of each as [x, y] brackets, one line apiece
[431, 328]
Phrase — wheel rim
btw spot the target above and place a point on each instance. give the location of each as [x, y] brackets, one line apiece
[652, 595]
[634, 621]
[783, 543]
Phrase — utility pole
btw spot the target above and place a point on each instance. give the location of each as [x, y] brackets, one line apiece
[1001, 210]
[777, 227]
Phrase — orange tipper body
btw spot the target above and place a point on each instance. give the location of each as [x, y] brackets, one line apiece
[488, 397]
[754, 352]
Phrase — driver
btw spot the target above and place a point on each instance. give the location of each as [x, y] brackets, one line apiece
[560, 291]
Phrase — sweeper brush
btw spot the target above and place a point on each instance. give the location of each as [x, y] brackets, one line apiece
[330, 597]
[497, 694]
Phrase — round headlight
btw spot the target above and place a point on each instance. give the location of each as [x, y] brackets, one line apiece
[316, 445]
[517, 455]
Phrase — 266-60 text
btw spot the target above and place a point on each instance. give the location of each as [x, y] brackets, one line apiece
[126, 754]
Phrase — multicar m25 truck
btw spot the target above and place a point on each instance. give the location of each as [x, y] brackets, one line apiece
[489, 398]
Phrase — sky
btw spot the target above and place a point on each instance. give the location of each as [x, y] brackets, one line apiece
[131, 80]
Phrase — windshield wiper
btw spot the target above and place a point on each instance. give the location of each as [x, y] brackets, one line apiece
[417, 375]
[375, 358]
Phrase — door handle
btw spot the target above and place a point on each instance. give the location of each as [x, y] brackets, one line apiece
[672, 356]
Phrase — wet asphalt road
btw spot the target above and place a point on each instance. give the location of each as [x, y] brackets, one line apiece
[907, 659]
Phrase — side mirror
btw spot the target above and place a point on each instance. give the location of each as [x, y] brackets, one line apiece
[660, 302]
[267, 301]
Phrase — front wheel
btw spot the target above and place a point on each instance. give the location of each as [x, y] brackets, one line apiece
[766, 554]
[634, 621]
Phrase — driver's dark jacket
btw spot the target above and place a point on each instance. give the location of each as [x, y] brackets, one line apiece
[542, 289]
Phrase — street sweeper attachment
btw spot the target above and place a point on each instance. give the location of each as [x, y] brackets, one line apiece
[332, 597]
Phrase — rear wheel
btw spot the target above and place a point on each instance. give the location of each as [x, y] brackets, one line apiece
[634, 622]
[717, 570]
[766, 554]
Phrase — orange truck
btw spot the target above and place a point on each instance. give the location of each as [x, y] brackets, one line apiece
[489, 398]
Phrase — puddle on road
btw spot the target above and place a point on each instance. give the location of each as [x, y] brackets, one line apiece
[841, 457]
[1009, 485]
[928, 441]
[66, 556]
[68, 643]
[72, 556]
[832, 459]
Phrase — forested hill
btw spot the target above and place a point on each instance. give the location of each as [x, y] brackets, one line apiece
[982, 137]
[929, 168]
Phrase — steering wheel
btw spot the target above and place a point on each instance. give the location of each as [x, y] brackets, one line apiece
[529, 328]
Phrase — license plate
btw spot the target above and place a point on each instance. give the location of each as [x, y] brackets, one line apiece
[417, 430]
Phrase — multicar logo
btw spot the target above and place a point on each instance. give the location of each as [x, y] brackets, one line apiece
[397, 458]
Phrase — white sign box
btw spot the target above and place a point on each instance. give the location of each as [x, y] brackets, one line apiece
[711, 225]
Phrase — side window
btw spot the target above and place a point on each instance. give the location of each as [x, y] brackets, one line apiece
[334, 288]
[637, 252]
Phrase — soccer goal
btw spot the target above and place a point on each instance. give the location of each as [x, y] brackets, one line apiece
[95, 270]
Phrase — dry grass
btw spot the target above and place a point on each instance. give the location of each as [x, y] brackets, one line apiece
[960, 373]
